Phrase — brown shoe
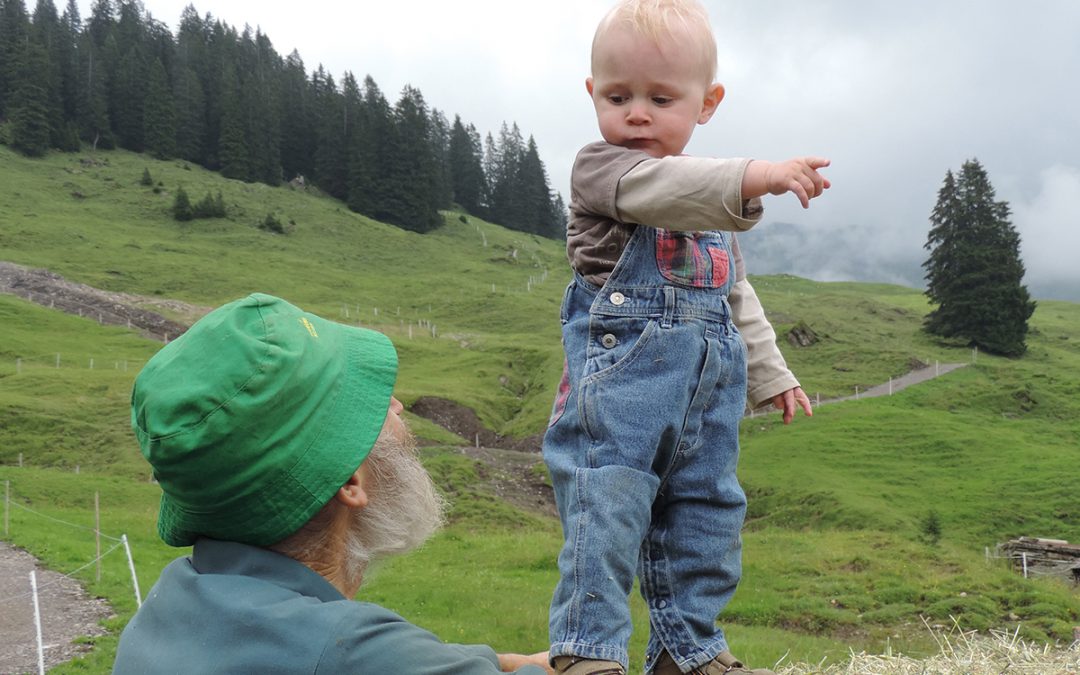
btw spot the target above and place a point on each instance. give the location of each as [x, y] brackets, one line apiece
[572, 665]
[724, 664]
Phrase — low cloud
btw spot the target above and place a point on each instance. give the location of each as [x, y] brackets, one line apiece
[1049, 227]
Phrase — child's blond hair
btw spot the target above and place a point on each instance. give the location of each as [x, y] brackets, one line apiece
[661, 20]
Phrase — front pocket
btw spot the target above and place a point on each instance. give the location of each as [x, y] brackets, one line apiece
[614, 343]
[694, 259]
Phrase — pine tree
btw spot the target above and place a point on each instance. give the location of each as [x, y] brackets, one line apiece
[47, 33]
[466, 169]
[297, 139]
[373, 143]
[534, 211]
[189, 95]
[233, 152]
[159, 123]
[30, 131]
[331, 161]
[14, 30]
[440, 148]
[412, 199]
[974, 272]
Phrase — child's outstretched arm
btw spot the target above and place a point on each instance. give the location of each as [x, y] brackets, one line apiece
[799, 176]
[787, 401]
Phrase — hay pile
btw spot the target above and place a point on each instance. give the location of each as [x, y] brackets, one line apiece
[962, 653]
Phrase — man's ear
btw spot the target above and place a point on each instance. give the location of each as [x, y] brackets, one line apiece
[352, 494]
[713, 95]
[589, 85]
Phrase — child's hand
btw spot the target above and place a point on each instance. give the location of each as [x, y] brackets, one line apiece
[799, 176]
[788, 400]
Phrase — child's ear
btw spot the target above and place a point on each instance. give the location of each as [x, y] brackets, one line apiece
[588, 85]
[713, 95]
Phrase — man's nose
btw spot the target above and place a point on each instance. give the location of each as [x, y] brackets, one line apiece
[395, 406]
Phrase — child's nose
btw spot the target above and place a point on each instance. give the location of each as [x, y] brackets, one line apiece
[637, 113]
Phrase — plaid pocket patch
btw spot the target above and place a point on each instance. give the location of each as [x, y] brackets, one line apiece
[561, 396]
[695, 259]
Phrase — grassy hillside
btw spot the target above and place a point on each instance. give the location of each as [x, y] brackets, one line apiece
[836, 554]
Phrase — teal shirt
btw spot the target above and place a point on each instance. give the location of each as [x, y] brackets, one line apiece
[234, 608]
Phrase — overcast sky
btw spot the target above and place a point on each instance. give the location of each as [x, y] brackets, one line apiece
[895, 93]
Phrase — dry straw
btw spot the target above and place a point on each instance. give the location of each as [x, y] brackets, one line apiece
[961, 653]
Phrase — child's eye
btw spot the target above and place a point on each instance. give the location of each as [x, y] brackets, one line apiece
[615, 99]
[662, 100]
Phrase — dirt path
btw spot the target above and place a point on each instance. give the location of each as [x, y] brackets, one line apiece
[66, 613]
[115, 309]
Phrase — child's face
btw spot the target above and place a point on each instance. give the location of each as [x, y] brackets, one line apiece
[647, 96]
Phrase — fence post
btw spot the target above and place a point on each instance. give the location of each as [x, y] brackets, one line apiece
[890, 386]
[97, 531]
[1023, 558]
[7, 507]
[57, 359]
[131, 565]
[37, 624]
[18, 366]
[20, 460]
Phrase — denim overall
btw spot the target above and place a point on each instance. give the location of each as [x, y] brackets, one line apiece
[642, 448]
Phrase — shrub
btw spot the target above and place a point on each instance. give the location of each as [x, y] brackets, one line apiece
[210, 207]
[182, 206]
[931, 527]
[271, 224]
[146, 179]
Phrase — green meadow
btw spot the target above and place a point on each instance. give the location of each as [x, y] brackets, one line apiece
[837, 552]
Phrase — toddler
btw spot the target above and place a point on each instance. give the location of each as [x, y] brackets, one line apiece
[665, 343]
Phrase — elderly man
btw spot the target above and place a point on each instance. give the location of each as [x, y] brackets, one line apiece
[284, 461]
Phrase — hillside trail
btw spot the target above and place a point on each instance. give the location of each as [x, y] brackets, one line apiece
[65, 610]
[506, 466]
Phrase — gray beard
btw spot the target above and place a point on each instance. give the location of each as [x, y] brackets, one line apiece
[403, 510]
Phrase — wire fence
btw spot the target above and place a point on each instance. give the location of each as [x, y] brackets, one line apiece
[11, 603]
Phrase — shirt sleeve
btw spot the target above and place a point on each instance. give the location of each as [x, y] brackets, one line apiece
[687, 193]
[375, 640]
[767, 373]
[675, 193]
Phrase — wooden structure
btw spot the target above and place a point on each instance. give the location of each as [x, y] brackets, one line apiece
[1041, 557]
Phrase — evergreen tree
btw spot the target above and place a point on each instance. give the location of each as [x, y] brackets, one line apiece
[503, 177]
[411, 167]
[466, 169]
[128, 84]
[159, 124]
[297, 139]
[373, 144]
[182, 209]
[233, 152]
[30, 132]
[534, 211]
[47, 33]
[974, 272]
[331, 160]
[70, 79]
[440, 149]
[189, 96]
[14, 31]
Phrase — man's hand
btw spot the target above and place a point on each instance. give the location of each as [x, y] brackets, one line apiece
[788, 400]
[799, 176]
[508, 663]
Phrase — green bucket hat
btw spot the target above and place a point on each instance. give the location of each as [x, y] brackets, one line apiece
[256, 416]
